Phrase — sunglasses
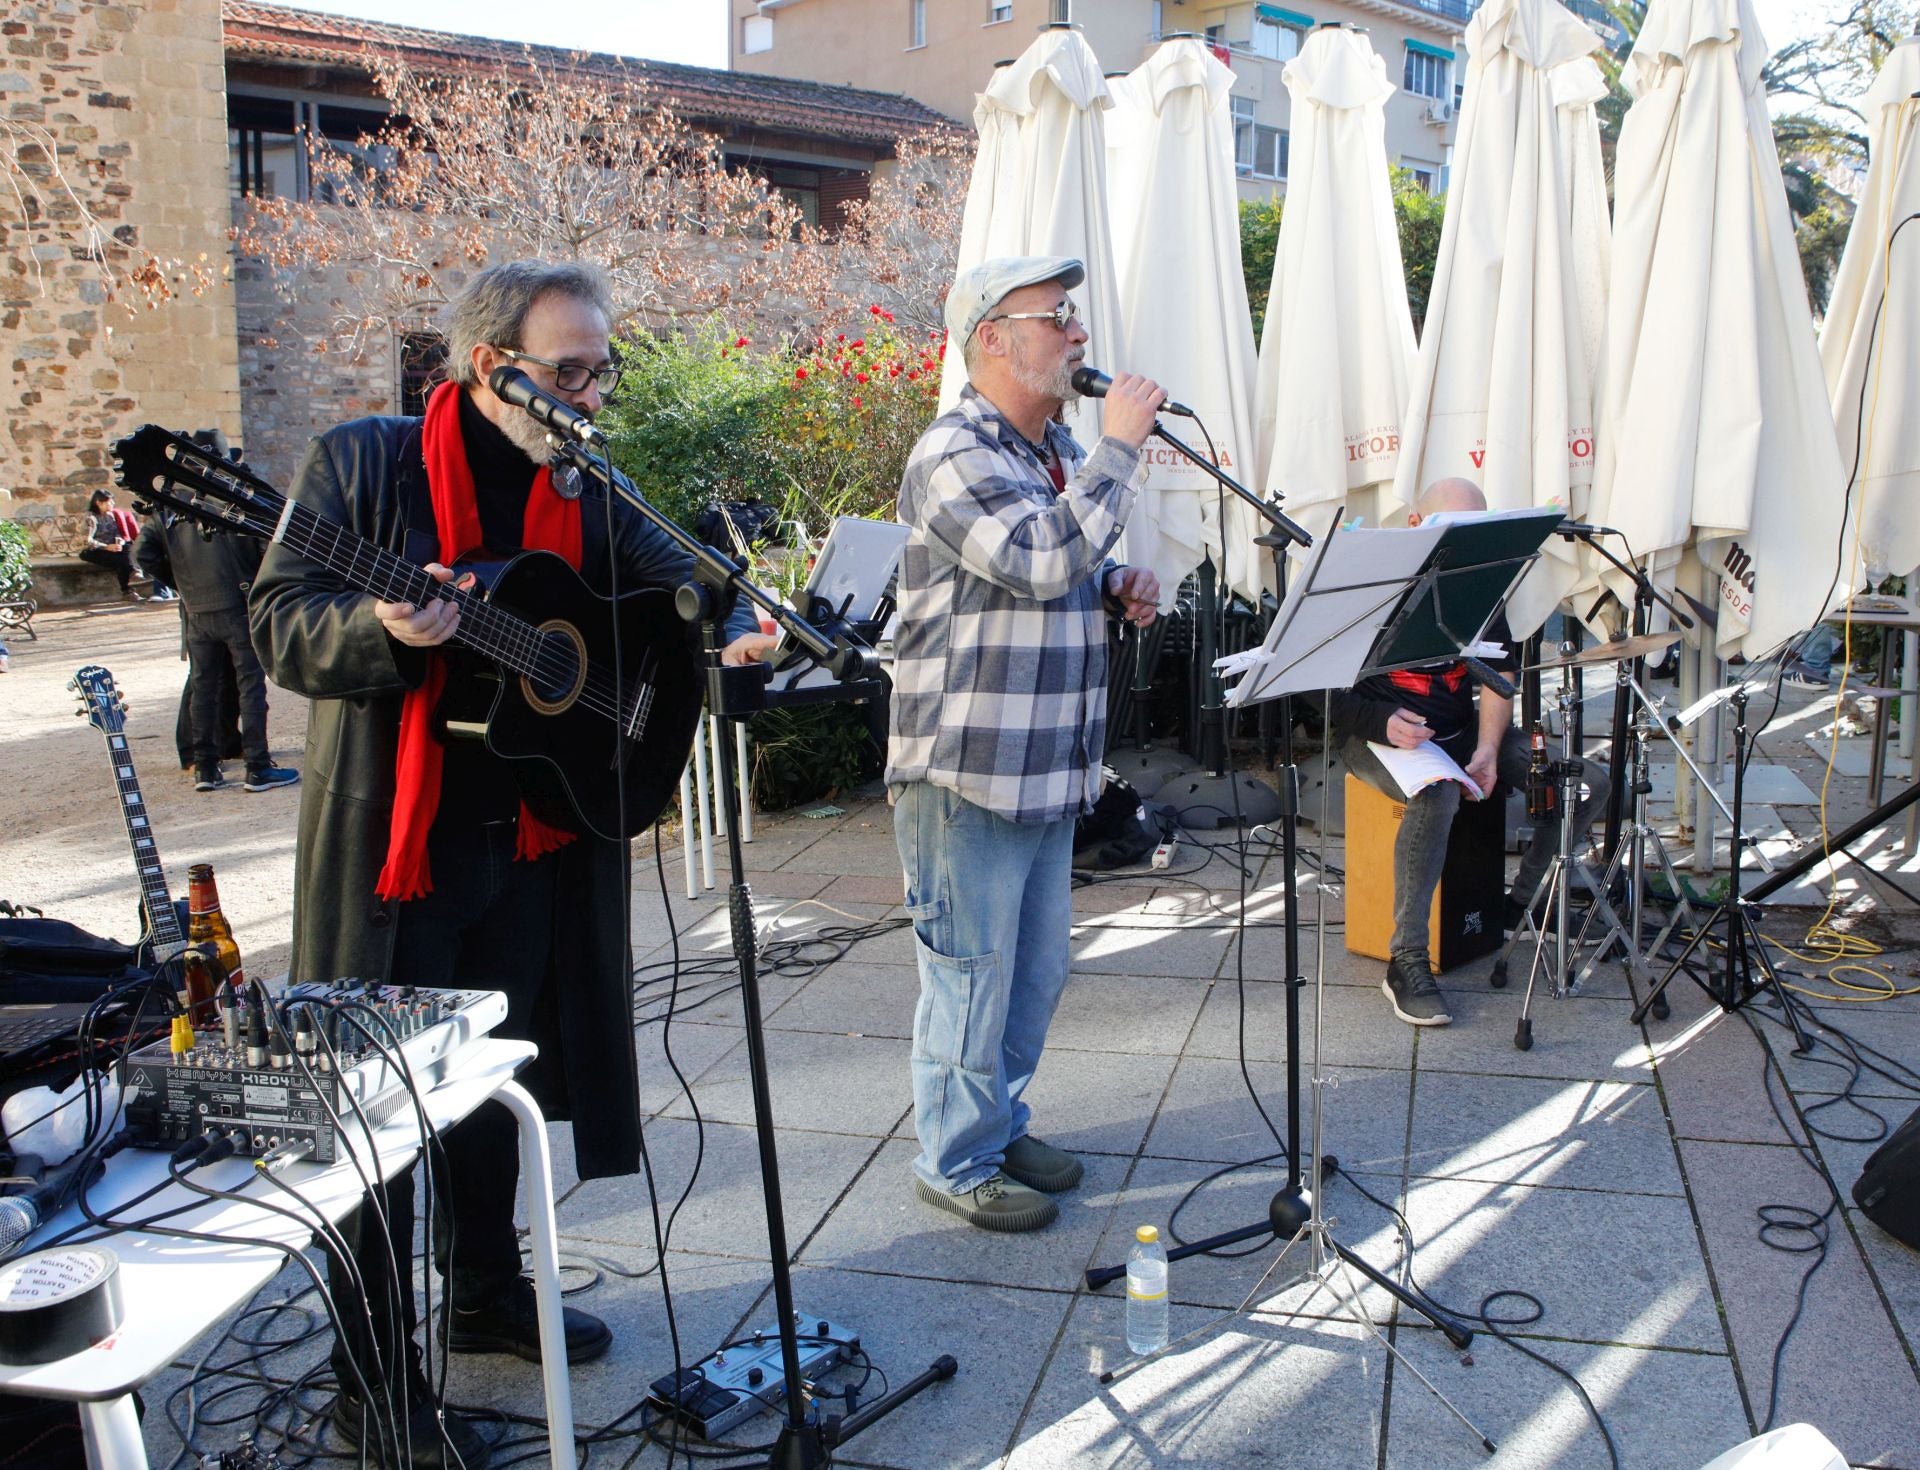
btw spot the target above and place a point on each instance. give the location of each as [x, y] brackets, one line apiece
[1062, 316]
[570, 377]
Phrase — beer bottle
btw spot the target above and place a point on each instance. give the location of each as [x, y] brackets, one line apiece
[207, 925]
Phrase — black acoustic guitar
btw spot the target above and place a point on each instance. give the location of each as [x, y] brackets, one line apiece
[544, 637]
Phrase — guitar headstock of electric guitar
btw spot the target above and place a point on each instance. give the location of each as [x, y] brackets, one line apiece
[101, 702]
[158, 467]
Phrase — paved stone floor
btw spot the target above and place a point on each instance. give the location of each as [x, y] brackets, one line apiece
[1614, 1171]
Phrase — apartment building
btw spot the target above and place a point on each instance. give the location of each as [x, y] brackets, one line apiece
[941, 52]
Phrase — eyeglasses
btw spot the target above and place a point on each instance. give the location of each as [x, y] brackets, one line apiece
[1062, 316]
[570, 377]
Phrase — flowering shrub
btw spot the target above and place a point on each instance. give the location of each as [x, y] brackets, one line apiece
[819, 429]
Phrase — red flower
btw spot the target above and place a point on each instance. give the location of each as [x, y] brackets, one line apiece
[894, 370]
[841, 337]
[859, 378]
[875, 311]
[913, 376]
[856, 400]
[800, 373]
[741, 342]
[859, 344]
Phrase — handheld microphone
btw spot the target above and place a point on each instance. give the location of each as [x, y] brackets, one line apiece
[1092, 383]
[22, 1214]
[510, 385]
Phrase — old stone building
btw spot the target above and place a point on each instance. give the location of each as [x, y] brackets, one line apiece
[131, 95]
[167, 116]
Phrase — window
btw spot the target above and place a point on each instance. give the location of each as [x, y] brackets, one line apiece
[1274, 40]
[1427, 75]
[423, 363]
[1423, 177]
[756, 34]
[997, 12]
[264, 155]
[916, 23]
[1259, 152]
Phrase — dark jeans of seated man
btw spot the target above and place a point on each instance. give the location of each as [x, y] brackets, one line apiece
[487, 925]
[1420, 850]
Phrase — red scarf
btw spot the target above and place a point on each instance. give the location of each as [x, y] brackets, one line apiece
[552, 524]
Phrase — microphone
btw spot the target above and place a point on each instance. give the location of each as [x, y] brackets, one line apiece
[513, 386]
[1092, 383]
[22, 1214]
[1576, 531]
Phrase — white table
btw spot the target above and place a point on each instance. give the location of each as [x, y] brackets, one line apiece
[175, 1291]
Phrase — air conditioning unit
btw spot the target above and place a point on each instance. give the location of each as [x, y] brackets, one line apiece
[1439, 113]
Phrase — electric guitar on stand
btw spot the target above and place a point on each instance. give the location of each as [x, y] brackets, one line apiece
[106, 711]
[546, 642]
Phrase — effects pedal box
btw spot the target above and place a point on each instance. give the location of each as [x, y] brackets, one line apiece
[261, 1086]
[733, 1384]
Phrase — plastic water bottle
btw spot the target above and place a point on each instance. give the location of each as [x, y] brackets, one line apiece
[1146, 1292]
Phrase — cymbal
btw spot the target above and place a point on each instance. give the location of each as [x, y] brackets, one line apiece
[1616, 651]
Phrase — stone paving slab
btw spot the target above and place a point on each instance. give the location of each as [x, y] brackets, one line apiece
[1208, 1115]
[1877, 1419]
[835, 1084]
[1592, 1135]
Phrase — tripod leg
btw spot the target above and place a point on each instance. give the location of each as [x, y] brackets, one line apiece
[1523, 1028]
[1803, 1045]
[1497, 977]
[1356, 1309]
[1660, 985]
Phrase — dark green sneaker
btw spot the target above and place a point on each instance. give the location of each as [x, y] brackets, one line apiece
[999, 1203]
[1040, 1165]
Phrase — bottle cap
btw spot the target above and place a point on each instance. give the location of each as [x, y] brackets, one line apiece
[1147, 1234]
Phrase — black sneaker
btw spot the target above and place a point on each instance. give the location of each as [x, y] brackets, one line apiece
[266, 778]
[209, 778]
[510, 1323]
[431, 1441]
[1416, 998]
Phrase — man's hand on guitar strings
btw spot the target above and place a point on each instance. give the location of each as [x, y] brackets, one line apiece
[421, 627]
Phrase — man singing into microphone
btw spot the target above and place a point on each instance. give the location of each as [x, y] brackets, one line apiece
[998, 719]
[1435, 702]
[416, 862]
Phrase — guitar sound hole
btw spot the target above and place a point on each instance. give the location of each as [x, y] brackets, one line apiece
[557, 669]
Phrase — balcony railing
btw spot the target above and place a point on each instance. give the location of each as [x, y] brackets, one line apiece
[1460, 11]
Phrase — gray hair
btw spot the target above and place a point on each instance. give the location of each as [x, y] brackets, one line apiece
[492, 310]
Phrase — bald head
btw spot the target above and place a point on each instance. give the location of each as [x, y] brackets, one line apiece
[1451, 494]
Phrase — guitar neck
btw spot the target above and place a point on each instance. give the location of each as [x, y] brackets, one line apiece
[362, 565]
[161, 919]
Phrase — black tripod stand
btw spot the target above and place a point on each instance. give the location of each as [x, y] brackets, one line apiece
[734, 693]
[1744, 949]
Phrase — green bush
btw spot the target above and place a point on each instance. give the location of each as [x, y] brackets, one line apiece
[819, 431]
[16, 569]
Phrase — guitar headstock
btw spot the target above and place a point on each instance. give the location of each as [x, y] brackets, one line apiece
[100, 699]
[159, 467]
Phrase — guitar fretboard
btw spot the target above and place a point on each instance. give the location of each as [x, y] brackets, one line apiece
[146, 857]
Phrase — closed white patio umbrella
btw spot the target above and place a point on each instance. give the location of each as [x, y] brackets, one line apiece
[1717, 435]
[1183, 305]
[1337, 353]
[1503, 393]
[1873, 372]
[1049, 197]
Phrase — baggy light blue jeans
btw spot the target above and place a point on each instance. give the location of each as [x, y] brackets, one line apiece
[992, 922]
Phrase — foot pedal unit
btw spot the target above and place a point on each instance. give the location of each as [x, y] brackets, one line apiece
[743, 1378]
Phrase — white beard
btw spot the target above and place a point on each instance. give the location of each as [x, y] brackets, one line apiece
[528, 436]
[1056, 383]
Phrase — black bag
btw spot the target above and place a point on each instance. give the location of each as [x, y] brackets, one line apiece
[1119, 832]
[732, 524]
[1888, 1189]
[45, 960]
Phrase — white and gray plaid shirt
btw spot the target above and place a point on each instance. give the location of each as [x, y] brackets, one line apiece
[1000, 650]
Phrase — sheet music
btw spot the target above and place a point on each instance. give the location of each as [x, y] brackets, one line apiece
[1423, 766]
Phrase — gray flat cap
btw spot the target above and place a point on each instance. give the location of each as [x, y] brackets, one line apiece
[980, 288]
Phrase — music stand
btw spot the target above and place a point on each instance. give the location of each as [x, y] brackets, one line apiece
[1368, 601]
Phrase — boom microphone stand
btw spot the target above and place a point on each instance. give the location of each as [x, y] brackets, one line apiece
[735, 693]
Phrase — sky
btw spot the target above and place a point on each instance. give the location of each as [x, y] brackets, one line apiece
[691, 31]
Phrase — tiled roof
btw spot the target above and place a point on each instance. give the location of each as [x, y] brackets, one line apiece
[703, 95]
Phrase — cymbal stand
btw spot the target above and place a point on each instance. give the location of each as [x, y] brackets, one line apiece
[1557, 884]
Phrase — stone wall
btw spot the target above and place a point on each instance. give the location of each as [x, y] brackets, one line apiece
[134, 94]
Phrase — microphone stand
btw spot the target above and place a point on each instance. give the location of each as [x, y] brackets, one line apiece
[1215, 799]
[735, 693]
